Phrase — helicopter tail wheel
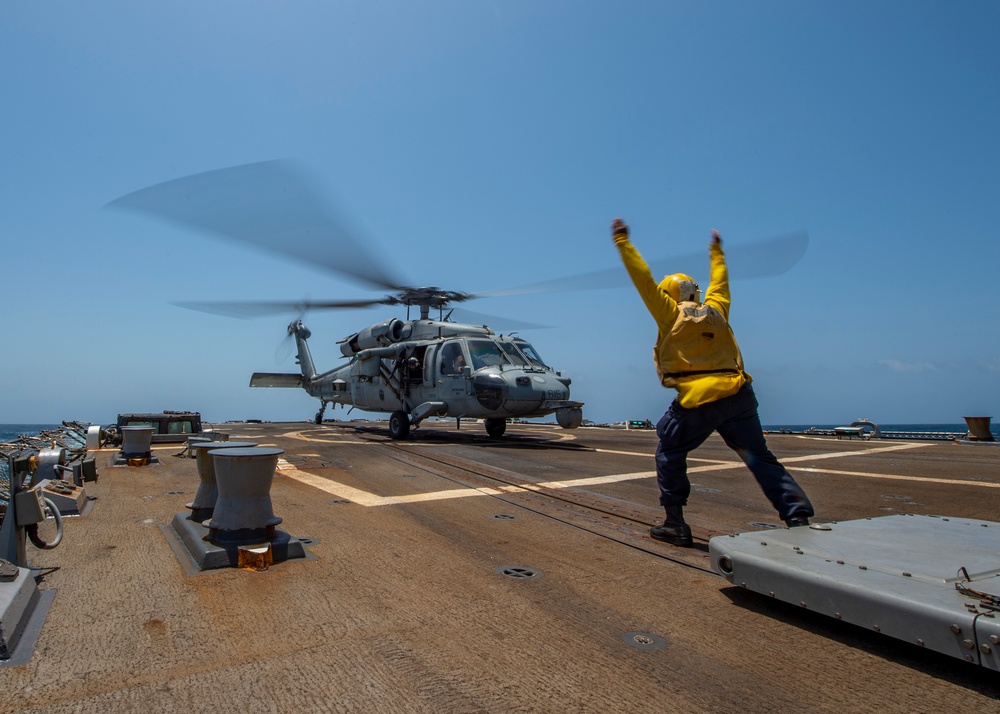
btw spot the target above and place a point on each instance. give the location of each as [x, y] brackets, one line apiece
[496, 427]
[399, 425]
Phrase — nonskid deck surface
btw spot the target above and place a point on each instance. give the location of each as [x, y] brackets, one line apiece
[454, 572]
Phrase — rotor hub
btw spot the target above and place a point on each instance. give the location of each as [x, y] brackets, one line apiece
[429, 297]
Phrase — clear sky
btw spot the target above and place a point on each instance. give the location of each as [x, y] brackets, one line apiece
[481, 145]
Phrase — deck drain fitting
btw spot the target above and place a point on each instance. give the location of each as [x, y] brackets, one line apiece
[709, 490]
[337, 501]
[644, 641]
[761, 524]
[519, 571]
[503, 516]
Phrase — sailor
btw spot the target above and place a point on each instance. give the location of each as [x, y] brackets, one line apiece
[697, 355]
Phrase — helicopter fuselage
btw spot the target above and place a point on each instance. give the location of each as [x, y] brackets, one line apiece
[421, 368]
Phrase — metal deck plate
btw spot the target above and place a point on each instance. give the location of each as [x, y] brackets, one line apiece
[930, 580]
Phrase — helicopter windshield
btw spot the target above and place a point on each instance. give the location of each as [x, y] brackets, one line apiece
[512, 354]
[530, 353]
[485, 353]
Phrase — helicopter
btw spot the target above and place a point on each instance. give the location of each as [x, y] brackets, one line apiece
[420, 368]
[411, 369]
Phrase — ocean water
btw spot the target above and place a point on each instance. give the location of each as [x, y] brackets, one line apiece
[955, 428]
[10, 432]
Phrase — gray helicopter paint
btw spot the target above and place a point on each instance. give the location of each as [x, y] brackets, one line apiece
[929, 580]
[379, 376]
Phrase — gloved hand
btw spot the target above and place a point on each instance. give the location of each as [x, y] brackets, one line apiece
[618, 226]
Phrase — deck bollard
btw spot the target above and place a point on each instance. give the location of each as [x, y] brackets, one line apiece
[137, 444]
[203, 505]
[979, 428]
[243, 511]
[196, 440]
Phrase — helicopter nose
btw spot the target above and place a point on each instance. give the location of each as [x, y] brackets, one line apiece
[491, 390]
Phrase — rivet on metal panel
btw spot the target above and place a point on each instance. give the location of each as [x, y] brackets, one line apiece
[743, 585]
[956, 629]
[920, 642]
[836, 615]
[763, 542]
[840, 562]
[994, 639]
[876, 628]
[969, 658]
[802, 604]
[771, 593]
[907, 575]
[968, 644]
[862, 567]
[985, 648]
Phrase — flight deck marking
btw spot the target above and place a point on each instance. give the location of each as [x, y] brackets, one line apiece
[898, 477]
[365, 498]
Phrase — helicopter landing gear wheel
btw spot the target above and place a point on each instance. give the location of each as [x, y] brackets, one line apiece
[319, 414]
[399, 425]
[496, 427]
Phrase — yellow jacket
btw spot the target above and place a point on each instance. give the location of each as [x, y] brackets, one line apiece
[700, 370]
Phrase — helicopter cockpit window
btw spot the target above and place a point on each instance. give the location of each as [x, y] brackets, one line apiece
[452, 359]
[513, 355]
[485, 353]
[530, 353]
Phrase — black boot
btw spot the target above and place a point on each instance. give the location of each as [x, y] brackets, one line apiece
[674, 530]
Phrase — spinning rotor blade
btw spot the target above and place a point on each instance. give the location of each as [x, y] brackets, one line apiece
[497, 324]
[245, 309]
[284, 349]
[763, 258]
[272, 205]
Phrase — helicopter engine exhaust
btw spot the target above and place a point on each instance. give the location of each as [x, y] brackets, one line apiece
[379, 335]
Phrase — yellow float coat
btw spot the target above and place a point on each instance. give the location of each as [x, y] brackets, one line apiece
[694, 342]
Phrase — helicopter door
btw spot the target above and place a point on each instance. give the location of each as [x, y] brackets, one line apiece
[452, 371]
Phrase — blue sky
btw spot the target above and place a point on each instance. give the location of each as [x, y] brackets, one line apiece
[480, 145]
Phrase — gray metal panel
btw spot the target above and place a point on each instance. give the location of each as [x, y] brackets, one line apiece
[896, 575]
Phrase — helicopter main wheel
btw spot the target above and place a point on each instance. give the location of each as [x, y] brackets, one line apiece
[399, 425]
[496, 427]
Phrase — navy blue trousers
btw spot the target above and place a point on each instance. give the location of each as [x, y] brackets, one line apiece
[735, 418]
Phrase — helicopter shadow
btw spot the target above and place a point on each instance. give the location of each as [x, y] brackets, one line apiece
[468, 437]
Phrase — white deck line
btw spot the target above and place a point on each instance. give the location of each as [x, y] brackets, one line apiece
[365, 498]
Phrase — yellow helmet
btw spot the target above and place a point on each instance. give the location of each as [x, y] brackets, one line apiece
[681, 287]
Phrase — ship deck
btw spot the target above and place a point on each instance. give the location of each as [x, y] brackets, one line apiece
[458, 573]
